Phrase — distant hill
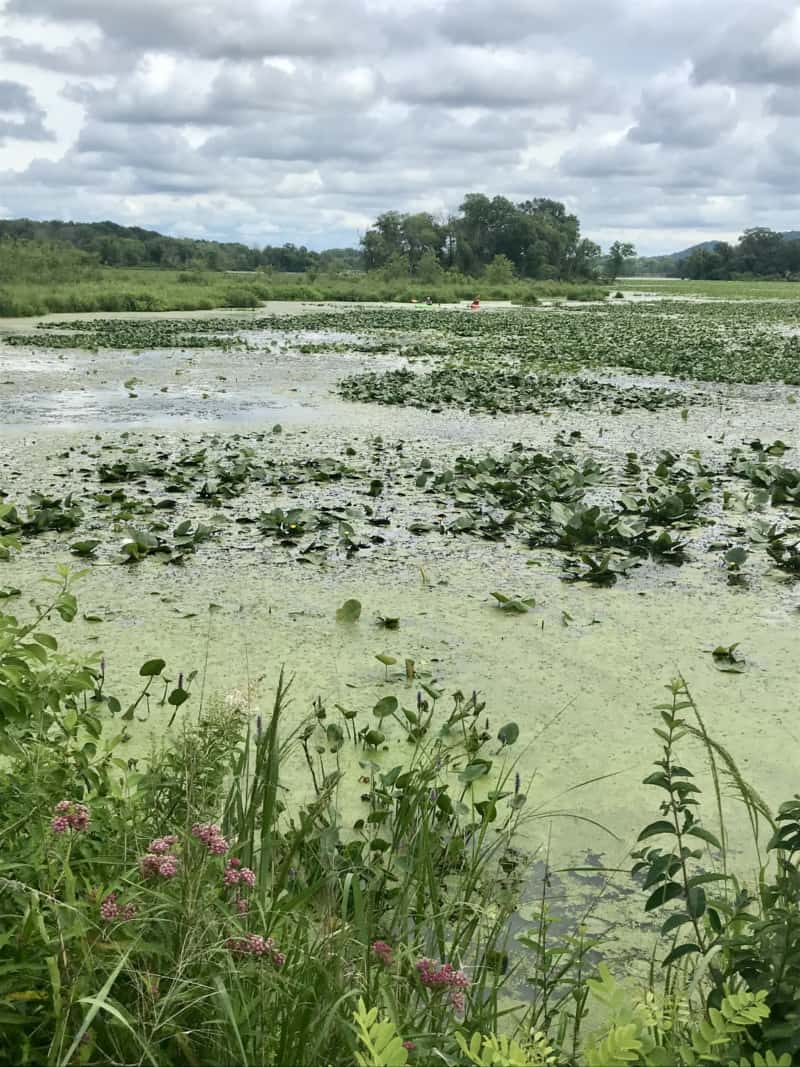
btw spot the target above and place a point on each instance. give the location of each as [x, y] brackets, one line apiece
[132, 246]
[672, 263]
[686, 252]
[787, 235]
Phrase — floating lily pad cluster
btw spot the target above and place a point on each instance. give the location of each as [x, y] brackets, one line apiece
[505, 391]
[724, 342]
[129, 494]
[748, 341]
[145, 499]
[546, 501]
[41, 514]
[95, 334]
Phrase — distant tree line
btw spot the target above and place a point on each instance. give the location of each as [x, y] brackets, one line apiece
[535, 238]
[759, 253]
[488, 237]
[112, 245]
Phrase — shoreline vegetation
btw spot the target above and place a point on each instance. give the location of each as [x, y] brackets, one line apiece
[187, 909]
[524, 253]
[152, 291]
[119, 290]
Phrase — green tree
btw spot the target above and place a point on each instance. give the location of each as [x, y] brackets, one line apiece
[429, 269]
[500, 271]
[619, 252]
[759, 251]
[587, 258]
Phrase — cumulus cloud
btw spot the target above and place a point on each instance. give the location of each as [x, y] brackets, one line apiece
[498, 78]
[79, 57]
[672, 111]
[478, 22]
[761, 46]
[21, 118]
[212, 29]
[300, 120]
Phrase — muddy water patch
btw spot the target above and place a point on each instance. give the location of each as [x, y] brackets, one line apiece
[109, 409]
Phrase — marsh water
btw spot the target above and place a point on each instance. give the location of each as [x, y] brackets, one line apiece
[580, 673]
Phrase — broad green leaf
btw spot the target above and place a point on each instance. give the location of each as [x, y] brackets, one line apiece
[152, 668]
[508, 734]
[350, 611]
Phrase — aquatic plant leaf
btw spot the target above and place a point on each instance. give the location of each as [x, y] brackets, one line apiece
[84, 548]
[508, 734]
[152, 668]
[385, 706]
[350, 611]
[177, 697]
[475, 770]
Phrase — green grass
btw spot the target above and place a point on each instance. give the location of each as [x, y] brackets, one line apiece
[732, 290]
[118, 290]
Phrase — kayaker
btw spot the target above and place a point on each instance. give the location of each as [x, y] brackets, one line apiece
[476, 303]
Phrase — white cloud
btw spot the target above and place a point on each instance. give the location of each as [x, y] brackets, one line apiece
[302, 119]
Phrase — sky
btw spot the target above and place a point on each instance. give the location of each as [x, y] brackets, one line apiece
[660, 122]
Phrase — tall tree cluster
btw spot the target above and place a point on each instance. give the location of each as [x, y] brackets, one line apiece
[539, 239]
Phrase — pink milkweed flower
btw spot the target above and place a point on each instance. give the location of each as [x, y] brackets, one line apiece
[109, 909]
[160, 860]
[70, 815]
[384, 952]
[163, 866]
[235, 873]
[255, 945]
[409, 1045]
[434, 976]
[168, 867]
[163, 844]
[211, 836]
[242, 905]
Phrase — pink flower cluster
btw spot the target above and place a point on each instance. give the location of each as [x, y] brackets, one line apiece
[161, 845]
[111, 911]
[255, 945]
[211, 836]
[237, 875]
[70, 816]
[384, 952]
[445, 976]
[160, 860]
